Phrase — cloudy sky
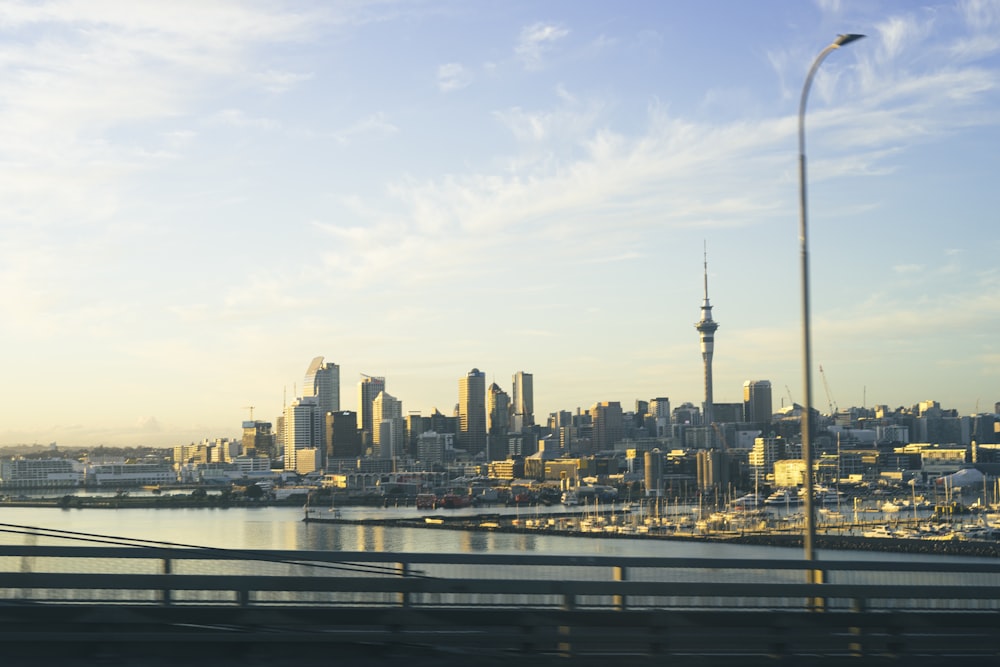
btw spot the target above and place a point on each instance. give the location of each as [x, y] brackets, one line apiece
[197, 198]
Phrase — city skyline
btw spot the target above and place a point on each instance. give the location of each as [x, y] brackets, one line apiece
[199, 198]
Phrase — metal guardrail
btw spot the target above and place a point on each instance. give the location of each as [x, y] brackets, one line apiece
[499, 605]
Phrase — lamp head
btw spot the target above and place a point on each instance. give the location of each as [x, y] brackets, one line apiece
[844, 40]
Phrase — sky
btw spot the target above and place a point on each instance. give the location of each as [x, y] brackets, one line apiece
[199, 197]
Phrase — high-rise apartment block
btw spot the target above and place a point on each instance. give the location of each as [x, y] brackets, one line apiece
[472, 412]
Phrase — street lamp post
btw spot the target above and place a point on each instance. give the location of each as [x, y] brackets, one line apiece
[810, 528]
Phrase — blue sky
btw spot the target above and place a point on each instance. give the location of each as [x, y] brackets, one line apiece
[197, 198]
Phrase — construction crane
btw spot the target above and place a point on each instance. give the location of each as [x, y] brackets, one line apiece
[834, 409]
[250, 408]
[791, 401]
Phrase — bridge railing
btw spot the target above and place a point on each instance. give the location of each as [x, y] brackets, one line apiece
[198, 576]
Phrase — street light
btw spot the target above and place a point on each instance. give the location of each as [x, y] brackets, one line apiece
[810, 529]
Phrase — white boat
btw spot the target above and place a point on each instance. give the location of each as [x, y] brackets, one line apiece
[570, 498]
[786, 497]
[891, 506]
[880, 530]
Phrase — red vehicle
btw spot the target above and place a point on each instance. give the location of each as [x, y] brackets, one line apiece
[426, 501]
[454, 501]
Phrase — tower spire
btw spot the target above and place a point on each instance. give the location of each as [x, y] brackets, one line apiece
[706, 327]
[705, 251]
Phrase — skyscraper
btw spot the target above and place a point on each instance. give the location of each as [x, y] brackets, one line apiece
[524, 401]
[302, 430]
[472, 412]
[757, 405]
[343, 440]
[497, 421]
[609, 426]
[323, 381]
[388, 426]
[706, 327]
[369, 387]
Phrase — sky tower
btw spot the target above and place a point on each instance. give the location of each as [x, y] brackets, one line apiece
[706, 327]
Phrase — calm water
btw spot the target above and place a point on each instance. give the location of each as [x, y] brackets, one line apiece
[283, 528]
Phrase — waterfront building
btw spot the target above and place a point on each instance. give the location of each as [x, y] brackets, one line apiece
[472, 413]
[369, 387]
[21, 473]
[211, 473]
[524, 401]
[706, 329]
[757, 402]
[128, 474]
[253, 466]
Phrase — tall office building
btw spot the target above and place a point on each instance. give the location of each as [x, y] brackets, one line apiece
[609, 426]
[472, 412]
[258, 438]
[302, 430]
[523, 401]
[660, 407]
[388, 426]
[757, 405]
[343, 440]
[369, 387]
[706, 327]
[497, 421]
[323, 381]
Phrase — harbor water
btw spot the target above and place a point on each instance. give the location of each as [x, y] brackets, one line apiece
[284, 528]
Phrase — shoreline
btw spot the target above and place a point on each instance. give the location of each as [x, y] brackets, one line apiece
[973, 548]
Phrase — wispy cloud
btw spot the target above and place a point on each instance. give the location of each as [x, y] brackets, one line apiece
[453, 76]
[536, 40]
[374, 126]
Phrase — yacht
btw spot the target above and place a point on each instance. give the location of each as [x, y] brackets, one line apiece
[787, 497]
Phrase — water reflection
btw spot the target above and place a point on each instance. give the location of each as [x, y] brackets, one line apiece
[283, 528]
